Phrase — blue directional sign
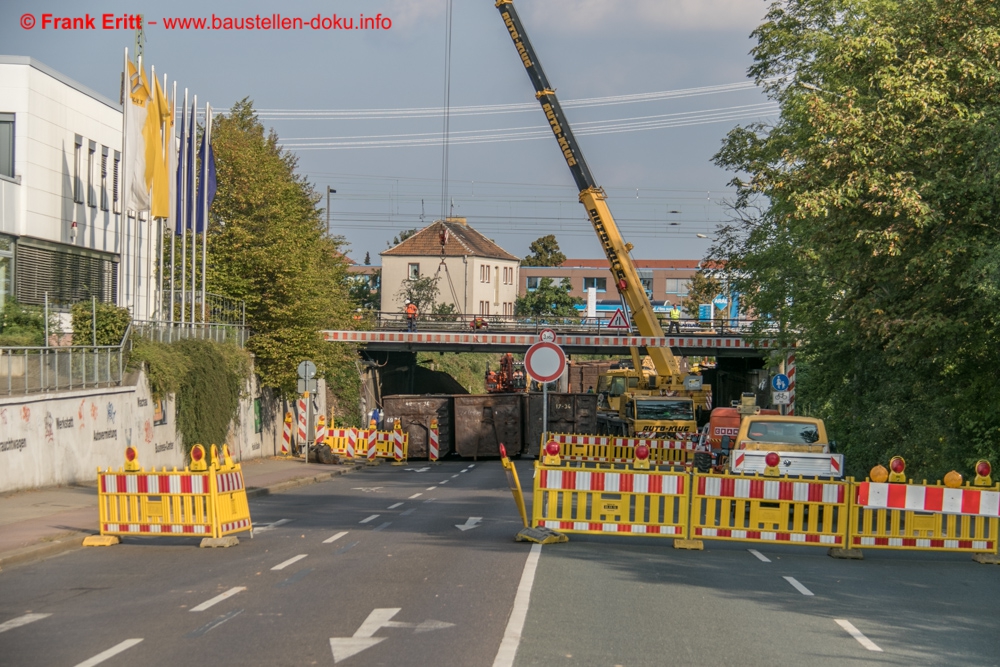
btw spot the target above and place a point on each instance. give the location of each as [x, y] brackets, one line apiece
[779, 382]
[720, 301]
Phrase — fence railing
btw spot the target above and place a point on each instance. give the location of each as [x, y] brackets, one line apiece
[167, 332]
[218, 309]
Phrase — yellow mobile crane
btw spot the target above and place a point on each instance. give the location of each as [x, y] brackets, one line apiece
[667, 403]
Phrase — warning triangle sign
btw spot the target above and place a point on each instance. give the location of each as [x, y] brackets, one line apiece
[618, 321]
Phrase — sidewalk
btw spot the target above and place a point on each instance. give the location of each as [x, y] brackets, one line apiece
[42, 522]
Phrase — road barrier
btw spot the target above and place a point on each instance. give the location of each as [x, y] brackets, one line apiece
[433, 441]
[320, 434]
[574, 496]
[613, 449]
[286, 434]
[344, 441]
[206, 499]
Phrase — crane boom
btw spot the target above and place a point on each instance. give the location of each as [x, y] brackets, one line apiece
[623, 270]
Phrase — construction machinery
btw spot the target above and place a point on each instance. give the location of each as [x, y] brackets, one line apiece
[668, 381]
[509, 379]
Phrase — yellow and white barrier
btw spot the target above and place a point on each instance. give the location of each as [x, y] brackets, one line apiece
[620, 450]
[206, 500]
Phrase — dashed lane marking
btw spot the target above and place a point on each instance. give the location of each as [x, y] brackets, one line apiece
[415, 495]
[392, 507]
[461, 471]
[443, 481]
[471, 465]
[21, 620]
[111, 652]
[857, 634]
[211, 625]
[293, 559]
[454, 476]
[759, 555]
[218, 598]
[382, 526]
[430, 488]
[515, 624]
[370, 518]
[799, 587]
[335, 537]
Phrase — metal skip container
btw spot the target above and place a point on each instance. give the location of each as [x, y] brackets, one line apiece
[415, 414]
[568, 413]
[484, 421]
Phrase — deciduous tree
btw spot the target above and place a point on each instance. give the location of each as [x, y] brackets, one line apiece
[544, 252]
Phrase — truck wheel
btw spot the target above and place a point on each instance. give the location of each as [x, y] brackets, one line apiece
[702, 461]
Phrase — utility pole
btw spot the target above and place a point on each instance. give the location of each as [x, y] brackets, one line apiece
[329, 191]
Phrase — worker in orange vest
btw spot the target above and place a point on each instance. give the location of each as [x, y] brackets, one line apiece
[411, 315]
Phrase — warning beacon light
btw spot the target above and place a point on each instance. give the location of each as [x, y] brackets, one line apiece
[772, 459]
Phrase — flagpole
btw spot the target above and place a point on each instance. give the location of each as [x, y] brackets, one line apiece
[194, 196]
[137, 236]
[123, 167]
[204, 228]
[184, 203]
[159, 227]
[173, 200]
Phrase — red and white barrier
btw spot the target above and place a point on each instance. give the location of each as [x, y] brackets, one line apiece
[320, 429]
[612, 482]
[918, 498]
[372, 444]
[397, 443]
[759, 489]
[433, 442]
[301, 406]
[286, 435]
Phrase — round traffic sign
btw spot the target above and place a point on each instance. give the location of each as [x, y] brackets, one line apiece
[547, 336]
[545, 362]
[780, 382]
[307, 370]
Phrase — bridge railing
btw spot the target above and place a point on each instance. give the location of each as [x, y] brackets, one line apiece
[396, 321]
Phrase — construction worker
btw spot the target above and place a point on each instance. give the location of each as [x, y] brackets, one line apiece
[675, 320]
[411, 315]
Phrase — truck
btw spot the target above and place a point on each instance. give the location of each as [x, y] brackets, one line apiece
[787, 444]
[668, 382]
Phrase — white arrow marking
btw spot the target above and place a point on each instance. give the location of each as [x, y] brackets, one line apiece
[345, 647]
[419, 469]
[470, 523]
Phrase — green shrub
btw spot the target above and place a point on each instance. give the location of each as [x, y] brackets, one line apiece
[112, 322]
[22, 325]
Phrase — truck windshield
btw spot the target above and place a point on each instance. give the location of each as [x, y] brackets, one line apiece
[681, 410]
[786, 433]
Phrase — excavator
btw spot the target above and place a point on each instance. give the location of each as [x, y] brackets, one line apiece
[659, 403]
[509, 379]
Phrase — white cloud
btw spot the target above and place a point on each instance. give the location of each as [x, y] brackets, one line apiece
[407, 13]
[591, 16]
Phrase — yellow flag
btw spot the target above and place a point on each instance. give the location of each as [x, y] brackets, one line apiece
[161, 173]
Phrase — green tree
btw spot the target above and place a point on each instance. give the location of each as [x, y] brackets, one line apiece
[548, 299]
[866, 220]
[273, 252]
[368, 259]
[705, 286]
[402, 236]
[362, 292]
[423, 292]
[544, 252]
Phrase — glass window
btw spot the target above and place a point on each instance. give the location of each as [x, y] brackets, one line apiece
[665, 410]
[672, 285]
[91, 191]
[104, 178]
[7, 145]
[6, 263]
[531, 283]
[785, 433]
[600, 284]
[413, 271]
[114, 183]
[684, 287]
[77, 183]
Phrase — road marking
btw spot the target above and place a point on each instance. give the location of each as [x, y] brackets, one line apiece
[759, 555]
[367, 489]
[382, 526]
[295, 577]
[515, 624]
[335, 537]
[211, 625]
[347, 547]
[21, 620]
[470, 523]
[429, 500]
[218, 598]
[371, 518]
[415, 495]
[857, 634]
[344, 647]
[443, 481]
[454, 476]
[270, 526]
[461, 471]
[408, 512]
[113, 651]
[425, 469]
[799, 587]
[471, 465]
[293, 559]
[430, 488]
[392, 507]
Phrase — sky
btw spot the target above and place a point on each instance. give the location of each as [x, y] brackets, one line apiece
[651, 87]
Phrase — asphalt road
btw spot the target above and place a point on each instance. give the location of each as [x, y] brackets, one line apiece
[374, 562]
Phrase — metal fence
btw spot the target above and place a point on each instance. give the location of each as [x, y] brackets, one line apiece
[168, 332]
[35, 369]
[218, 309]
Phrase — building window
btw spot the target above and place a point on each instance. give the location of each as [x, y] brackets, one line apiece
[484, 273]
[508, 309]
[684, 288]
[647, 285]
[6, 268]
[484, 307]
[77, 182]
[7, 145]
[114, 184]
[413, 271]
[672, 285]
[67, 277]
[600, 284]
[91, 191]
[508, 275]
[104, 178]
[531, 283]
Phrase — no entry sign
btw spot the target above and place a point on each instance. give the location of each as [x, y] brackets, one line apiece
[545, 362]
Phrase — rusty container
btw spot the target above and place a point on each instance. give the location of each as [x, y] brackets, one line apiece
[415, 414]
[568, 413]
[483, 421]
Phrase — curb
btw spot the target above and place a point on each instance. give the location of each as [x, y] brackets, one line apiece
[69, 541]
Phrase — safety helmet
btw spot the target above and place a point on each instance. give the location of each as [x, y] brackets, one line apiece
[407, 302]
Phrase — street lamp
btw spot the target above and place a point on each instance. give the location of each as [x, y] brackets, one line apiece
[329, 191]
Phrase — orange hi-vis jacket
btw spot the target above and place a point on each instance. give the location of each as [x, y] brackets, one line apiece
[411, 311]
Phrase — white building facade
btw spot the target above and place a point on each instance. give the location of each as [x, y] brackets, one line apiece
[62, 230]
